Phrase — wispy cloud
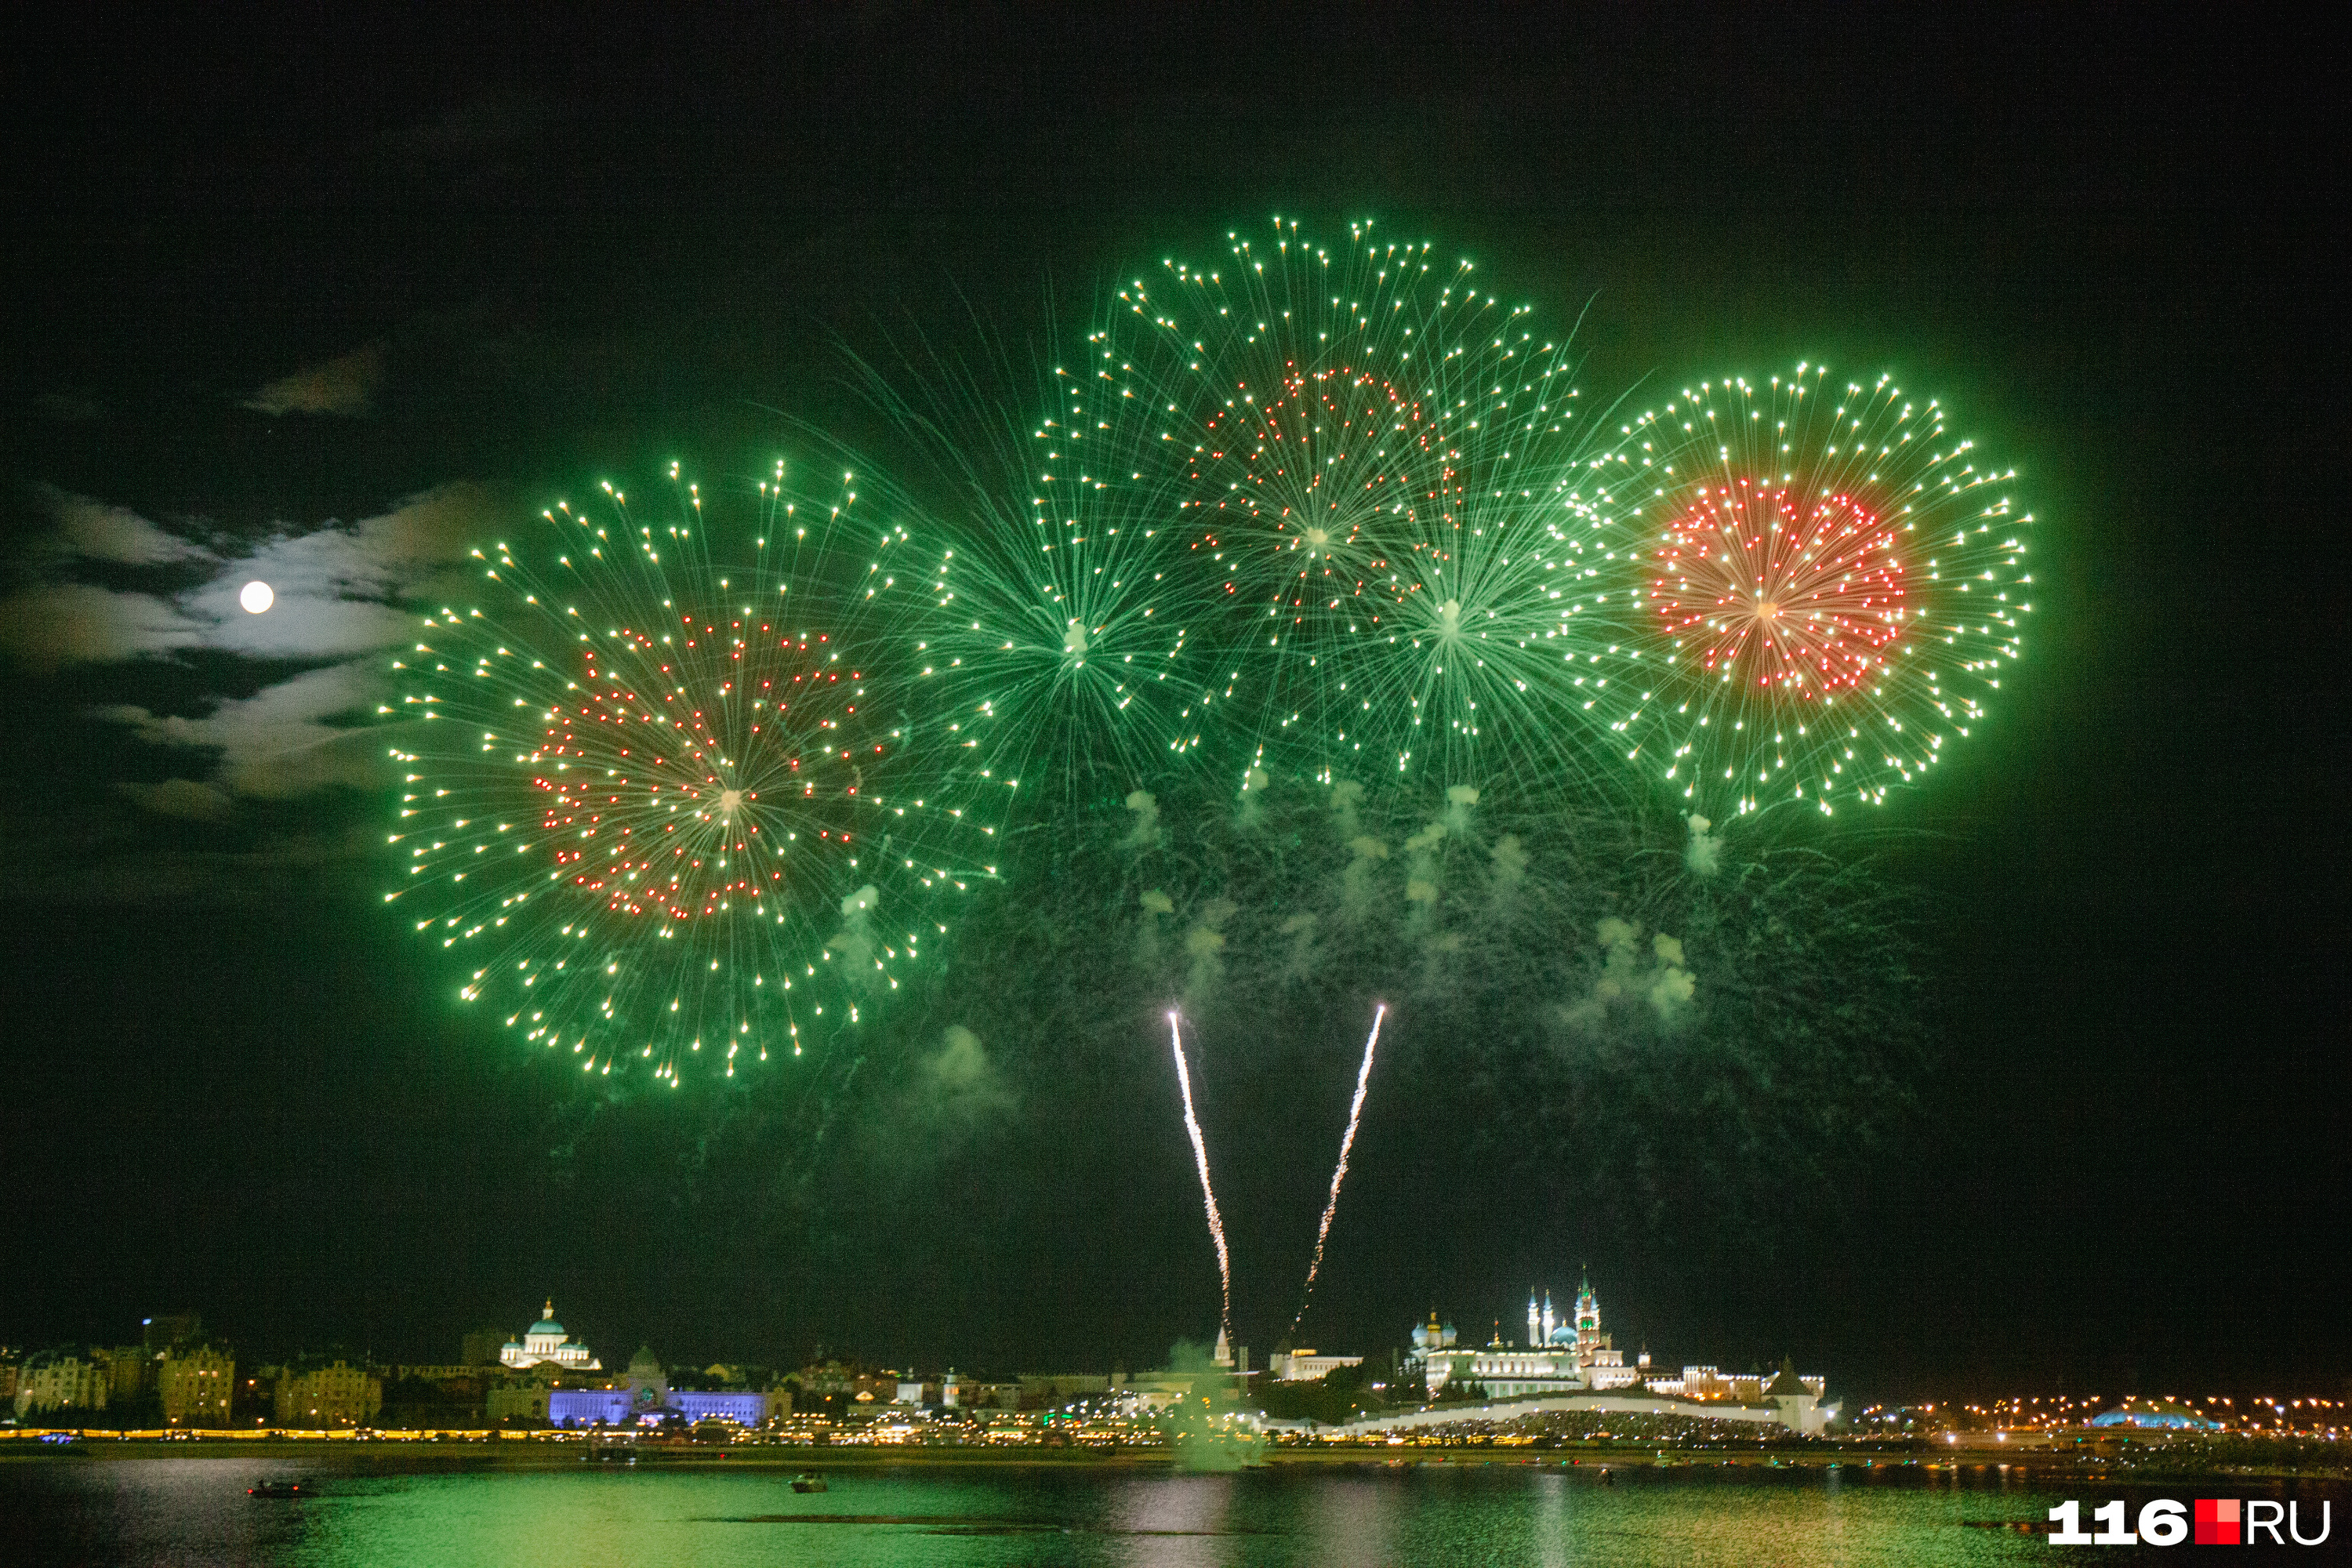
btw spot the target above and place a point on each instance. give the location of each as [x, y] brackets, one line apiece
[339, 590]
[180, 797]
[102, 531]
[345, 385]
[336, 586]
[78, 622]
[277, 743]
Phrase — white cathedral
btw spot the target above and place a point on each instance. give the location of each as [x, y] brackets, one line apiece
[545, 1344]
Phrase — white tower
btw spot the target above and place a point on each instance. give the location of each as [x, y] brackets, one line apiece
[1550, 1322]
[1535, 1321]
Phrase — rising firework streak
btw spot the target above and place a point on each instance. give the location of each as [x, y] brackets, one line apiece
[1347, 1141]
[1208, 1193]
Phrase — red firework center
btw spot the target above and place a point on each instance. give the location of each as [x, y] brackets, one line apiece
[1302, 435]
[1788, 590]
[710, 758]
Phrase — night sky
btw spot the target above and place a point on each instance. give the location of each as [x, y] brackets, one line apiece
[328, 307]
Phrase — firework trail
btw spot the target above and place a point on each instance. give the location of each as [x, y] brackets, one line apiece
[1347, 1141]
[1208, 1194]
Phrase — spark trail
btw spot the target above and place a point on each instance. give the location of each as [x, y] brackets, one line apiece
[1347, 1141]
[1208, 1193]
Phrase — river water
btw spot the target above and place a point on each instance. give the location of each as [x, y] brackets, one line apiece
[372, 1513]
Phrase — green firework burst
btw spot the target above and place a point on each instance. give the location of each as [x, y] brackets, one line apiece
[677, 787]
[1383, 475]
[1829, 588]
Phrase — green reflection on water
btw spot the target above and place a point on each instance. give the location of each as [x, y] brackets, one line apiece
[189, 1510]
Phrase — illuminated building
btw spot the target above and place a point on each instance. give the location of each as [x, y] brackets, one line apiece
[526, 1403]
[1042, 1391]
[337, 1395]
[55, 1380]
[1307, 1365]
[1558, 1357]
[194, 1382]
[545, 1344]
[130, 1370]
[644, 1397]
[2157, 1413]
[1571, 1356]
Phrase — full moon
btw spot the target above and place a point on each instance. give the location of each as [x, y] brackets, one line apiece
[256, 597]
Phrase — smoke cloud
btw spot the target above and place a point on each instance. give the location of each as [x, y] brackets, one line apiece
[1365, 853]
[1459, 799]
[1305, 956]
[1509, 861]
[1254, 784]
[959, 1082]
[1154, 904]
[853, 942]
[1663, 983]
[1145, 834]
[1702, 855]
[1204, 944]
[1347, 800]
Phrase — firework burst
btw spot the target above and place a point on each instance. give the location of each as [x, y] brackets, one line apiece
[1066, 616]
[1383, 474]
[1829, 586]
[677, 793]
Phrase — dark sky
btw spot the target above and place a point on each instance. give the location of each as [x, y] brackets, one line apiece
[437, 273]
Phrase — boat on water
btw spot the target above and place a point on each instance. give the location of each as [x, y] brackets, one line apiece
[280, 1490]
[808, 1482]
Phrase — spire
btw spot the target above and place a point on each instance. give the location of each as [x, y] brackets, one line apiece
[548, 1313]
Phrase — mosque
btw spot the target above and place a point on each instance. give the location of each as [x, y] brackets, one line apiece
[1560, 1356]
[546, 1346]
[1572, 1357]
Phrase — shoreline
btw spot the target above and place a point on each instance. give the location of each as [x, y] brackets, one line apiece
[545, 1453]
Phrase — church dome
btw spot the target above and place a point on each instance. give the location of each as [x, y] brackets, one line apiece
[547, 1323]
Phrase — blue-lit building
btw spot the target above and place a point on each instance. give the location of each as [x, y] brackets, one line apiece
[2158, 1414]
[644, 1397]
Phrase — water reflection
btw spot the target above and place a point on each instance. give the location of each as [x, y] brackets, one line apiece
[1351, 1518]
[376, 1511]
[1550, 1514]
[1174, 1521]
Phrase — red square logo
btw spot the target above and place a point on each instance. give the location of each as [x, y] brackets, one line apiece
[2216, 1521]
